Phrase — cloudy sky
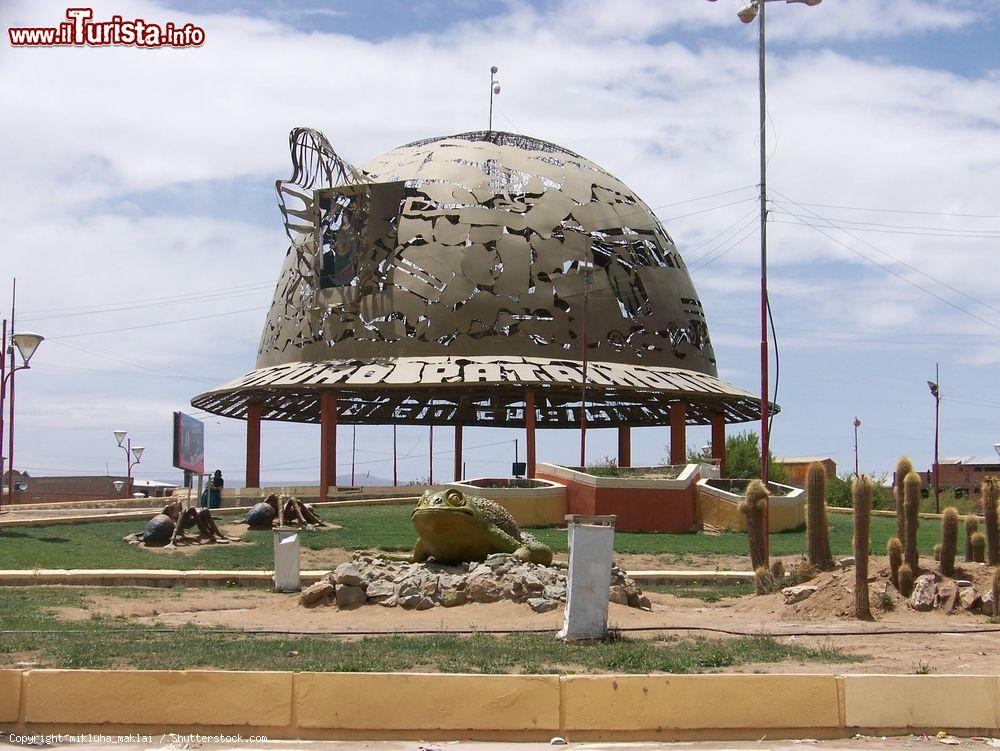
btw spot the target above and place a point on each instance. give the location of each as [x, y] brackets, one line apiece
[137, 208]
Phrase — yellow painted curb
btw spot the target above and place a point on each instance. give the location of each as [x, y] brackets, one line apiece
[10, 695]
[408, 701]
[689, 702]
[947, 702]
[154, 697]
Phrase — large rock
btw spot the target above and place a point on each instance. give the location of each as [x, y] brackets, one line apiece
[348, 574]
[924, 595]
[321, 592]
[350, 597]
[969, 599]
[542, 605]
[380, 590]
[798, 593]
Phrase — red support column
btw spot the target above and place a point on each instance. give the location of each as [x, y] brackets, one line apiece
[458, 453]
[678, 445]
[253, 444]
[327, 443]
[624, 446]
[529, 428]
[719, 441]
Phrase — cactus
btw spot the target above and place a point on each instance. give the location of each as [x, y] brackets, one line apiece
[937, 552]
[995, 592]
[991, 498]
[911, 507]
[778, 571]
[949, 540]
[905, 580]
[971, 527]
[816, 524]
[764, 581]
[861, 490]
[903, 467]
[894, 548]
[978, 548]
[754, 509]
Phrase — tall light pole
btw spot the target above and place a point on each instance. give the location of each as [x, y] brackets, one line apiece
[747, 14]
[936, 393]
[130, 452]
[494, 90]
[587, 269]
[25, 344]
[857, 424]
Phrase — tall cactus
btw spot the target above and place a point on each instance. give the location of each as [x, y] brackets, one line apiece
[949, 540]
[894, 549]
[995, 592]
[903, 467]
[911, 505]
[991, 499]
[979, 548]
[971, 527]
[754, 509]
[816, 523]
[861, 490]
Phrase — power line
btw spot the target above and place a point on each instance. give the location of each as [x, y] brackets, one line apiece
[899, 211]
[159, 323]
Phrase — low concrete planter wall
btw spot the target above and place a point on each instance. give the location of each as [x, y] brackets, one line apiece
[719, 507]
[541, 504]
[495, 707]
[641, 504]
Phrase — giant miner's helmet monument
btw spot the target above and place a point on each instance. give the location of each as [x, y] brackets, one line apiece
[450, 281]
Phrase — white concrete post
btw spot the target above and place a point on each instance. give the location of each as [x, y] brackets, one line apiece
[591, 544]
[286, 559]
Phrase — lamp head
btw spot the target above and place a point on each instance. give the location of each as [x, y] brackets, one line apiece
[748, 12]
[137, 452]
[120, 436]
[857, 422]
[935, 391]
[496, 88]
[118, 484]
[494, 69]
[26, 344]
[996, 447]
[805, 2]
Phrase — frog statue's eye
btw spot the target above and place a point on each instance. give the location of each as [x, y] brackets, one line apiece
[454, 498]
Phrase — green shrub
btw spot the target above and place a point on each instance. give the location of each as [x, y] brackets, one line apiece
[743, 458]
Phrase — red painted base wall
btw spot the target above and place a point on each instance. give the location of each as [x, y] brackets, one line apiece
[637, 509]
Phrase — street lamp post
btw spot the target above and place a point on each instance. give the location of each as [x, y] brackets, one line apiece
[936, 393]
[857, 424]
[747, 14]
[130, 452]
[25, 343]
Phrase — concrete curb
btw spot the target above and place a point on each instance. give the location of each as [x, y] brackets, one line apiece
[256, 578]
[496, 707]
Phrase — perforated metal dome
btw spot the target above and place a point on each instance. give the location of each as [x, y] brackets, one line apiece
[438, 281]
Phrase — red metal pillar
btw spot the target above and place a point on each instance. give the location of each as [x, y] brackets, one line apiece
[529, 428]
[254, 409]
[678, 445]
[624, 446]
[458, 453]
[327, 443]
[719, 441]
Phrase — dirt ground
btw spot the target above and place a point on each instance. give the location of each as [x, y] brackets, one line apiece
[934, 642]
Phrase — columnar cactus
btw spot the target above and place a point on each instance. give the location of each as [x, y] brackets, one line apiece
[949, 540]
[754, 509]
[905, 580]
[979, 548]
[894, 549]
[971, 527]
[861, 490]
[911, 505]
[991, 499]
[995, 592]
[903, 467]
[816, 523]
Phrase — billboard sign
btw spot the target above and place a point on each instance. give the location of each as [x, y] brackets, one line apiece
[189, 443]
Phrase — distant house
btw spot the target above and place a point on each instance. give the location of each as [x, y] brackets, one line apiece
[963, 474]
[797, 466]
[29, 489]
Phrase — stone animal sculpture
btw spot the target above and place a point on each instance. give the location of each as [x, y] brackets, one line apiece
[455, 528]
[173, 522]
[263, 515]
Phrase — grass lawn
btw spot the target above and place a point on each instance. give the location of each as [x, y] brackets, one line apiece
[705, 591]
[380, 527]
[102, 643]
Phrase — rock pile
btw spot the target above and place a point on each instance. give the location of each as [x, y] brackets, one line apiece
[421, 586]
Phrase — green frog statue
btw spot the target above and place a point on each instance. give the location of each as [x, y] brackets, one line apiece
[456, 528]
